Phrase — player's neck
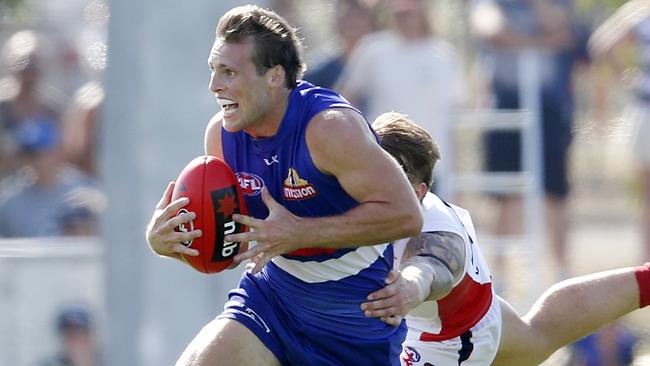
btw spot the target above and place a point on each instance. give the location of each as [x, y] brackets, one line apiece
[269, 124]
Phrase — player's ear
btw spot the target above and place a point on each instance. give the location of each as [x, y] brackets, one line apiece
[421, 190]
[275, 76]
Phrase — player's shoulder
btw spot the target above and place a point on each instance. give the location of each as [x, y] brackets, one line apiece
[325, 104]
[439, 215]
[333, 133]
[336, 120]
[216, 121]
[212, 139]
[312, 94]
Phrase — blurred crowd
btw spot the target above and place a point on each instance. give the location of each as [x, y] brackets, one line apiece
[48, 163]
[382, 55]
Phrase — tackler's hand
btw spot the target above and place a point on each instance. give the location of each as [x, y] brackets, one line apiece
[393, 301]
[274, 235]
[160, 233]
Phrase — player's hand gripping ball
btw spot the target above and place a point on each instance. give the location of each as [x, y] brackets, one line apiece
[215, 196]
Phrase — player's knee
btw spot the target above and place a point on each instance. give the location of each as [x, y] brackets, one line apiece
[226, 342]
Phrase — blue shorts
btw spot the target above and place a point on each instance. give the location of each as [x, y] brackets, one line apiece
[304, 335]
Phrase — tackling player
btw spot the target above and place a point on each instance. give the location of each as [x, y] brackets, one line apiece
[454, 317]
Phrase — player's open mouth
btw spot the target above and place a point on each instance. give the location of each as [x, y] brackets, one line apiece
[228, 106]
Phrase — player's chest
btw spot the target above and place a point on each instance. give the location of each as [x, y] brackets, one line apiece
[289, 175]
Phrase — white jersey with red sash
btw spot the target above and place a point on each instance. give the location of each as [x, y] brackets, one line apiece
[446, 331]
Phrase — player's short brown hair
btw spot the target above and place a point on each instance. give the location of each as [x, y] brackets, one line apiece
[409, 144]
[275, 41]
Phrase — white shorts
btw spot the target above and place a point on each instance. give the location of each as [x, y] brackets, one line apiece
[477, 347]
[640, 117]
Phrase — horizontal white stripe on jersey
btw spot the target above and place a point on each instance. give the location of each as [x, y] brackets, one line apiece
[332, 269]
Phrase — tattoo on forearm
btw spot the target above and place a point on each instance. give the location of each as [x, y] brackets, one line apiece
[445, 252]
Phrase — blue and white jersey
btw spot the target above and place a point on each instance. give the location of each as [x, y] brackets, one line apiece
[319, 285]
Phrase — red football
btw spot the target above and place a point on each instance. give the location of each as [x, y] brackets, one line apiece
[215, 196]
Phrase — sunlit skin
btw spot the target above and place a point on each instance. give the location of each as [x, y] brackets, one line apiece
[261, 99]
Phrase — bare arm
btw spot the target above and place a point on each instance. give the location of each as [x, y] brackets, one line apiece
[441, 254]
[212, 140]
[341, 144]
[434, 263]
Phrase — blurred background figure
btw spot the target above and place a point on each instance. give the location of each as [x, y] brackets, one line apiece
[505, 28]
[77, 334]
[623, 42]
[408, 69]
[23, 97]
[353, 20]
[81, 128]
[614, 345]
[38, 199]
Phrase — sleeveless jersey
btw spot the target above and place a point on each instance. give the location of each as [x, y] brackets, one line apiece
[318, 284]
[471, 296]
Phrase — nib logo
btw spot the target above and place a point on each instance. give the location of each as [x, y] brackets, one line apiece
[225, 203]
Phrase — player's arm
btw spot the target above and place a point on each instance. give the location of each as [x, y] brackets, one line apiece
[433, 263]
[212, 140]
[341, 144]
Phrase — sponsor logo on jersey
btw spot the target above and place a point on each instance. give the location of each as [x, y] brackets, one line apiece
[272, 160]
[185, 227]
[296, 188]
[250, 184]
[225, 203]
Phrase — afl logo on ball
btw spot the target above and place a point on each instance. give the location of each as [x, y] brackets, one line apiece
[185, 227]
[250, 184]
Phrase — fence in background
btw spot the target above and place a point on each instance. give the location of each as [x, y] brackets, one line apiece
[37, 278]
